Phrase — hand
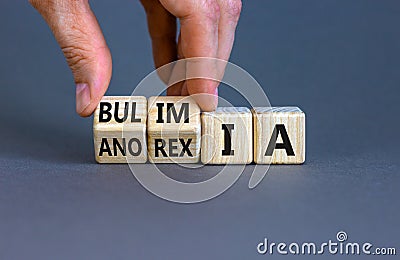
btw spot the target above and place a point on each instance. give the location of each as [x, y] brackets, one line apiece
[207, 30]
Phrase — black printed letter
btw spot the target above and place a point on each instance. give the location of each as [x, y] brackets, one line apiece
[107, 149]
[105, 112]
[158, 148]
[285, 138]
[133, 114]
[227, 128]
[139, 147]
[160, 112]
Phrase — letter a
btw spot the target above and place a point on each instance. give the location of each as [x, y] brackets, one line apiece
[279, 129]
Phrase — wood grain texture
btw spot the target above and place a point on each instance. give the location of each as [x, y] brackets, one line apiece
[227, 136]
[286, 119]
[171, 129]
[120, 142]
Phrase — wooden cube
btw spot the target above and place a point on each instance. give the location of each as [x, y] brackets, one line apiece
[119, 130]
[173, 130]
[279, 135]
[227, 136]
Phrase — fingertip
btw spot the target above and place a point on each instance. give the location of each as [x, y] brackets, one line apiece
[87, 99]
[209, 102]
[96, 78]
[207, 106]
[86, 114]
[205, 93]
[89, 95]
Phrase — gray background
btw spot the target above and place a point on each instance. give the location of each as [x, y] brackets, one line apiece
[337, 60]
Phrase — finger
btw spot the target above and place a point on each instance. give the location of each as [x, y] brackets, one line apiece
[162, 30]
[230, 12]
[178, 74]
[79, 35]
[199, 38]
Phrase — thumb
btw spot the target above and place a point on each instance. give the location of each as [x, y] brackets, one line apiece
[79, 35]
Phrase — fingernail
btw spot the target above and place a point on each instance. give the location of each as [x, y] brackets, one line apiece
[82, 97]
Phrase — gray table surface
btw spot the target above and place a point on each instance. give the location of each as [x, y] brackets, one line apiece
[337, 60]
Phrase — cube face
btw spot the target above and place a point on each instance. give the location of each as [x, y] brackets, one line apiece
[119, 130]
[227, 136]
[173, 130]
[279, 135]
